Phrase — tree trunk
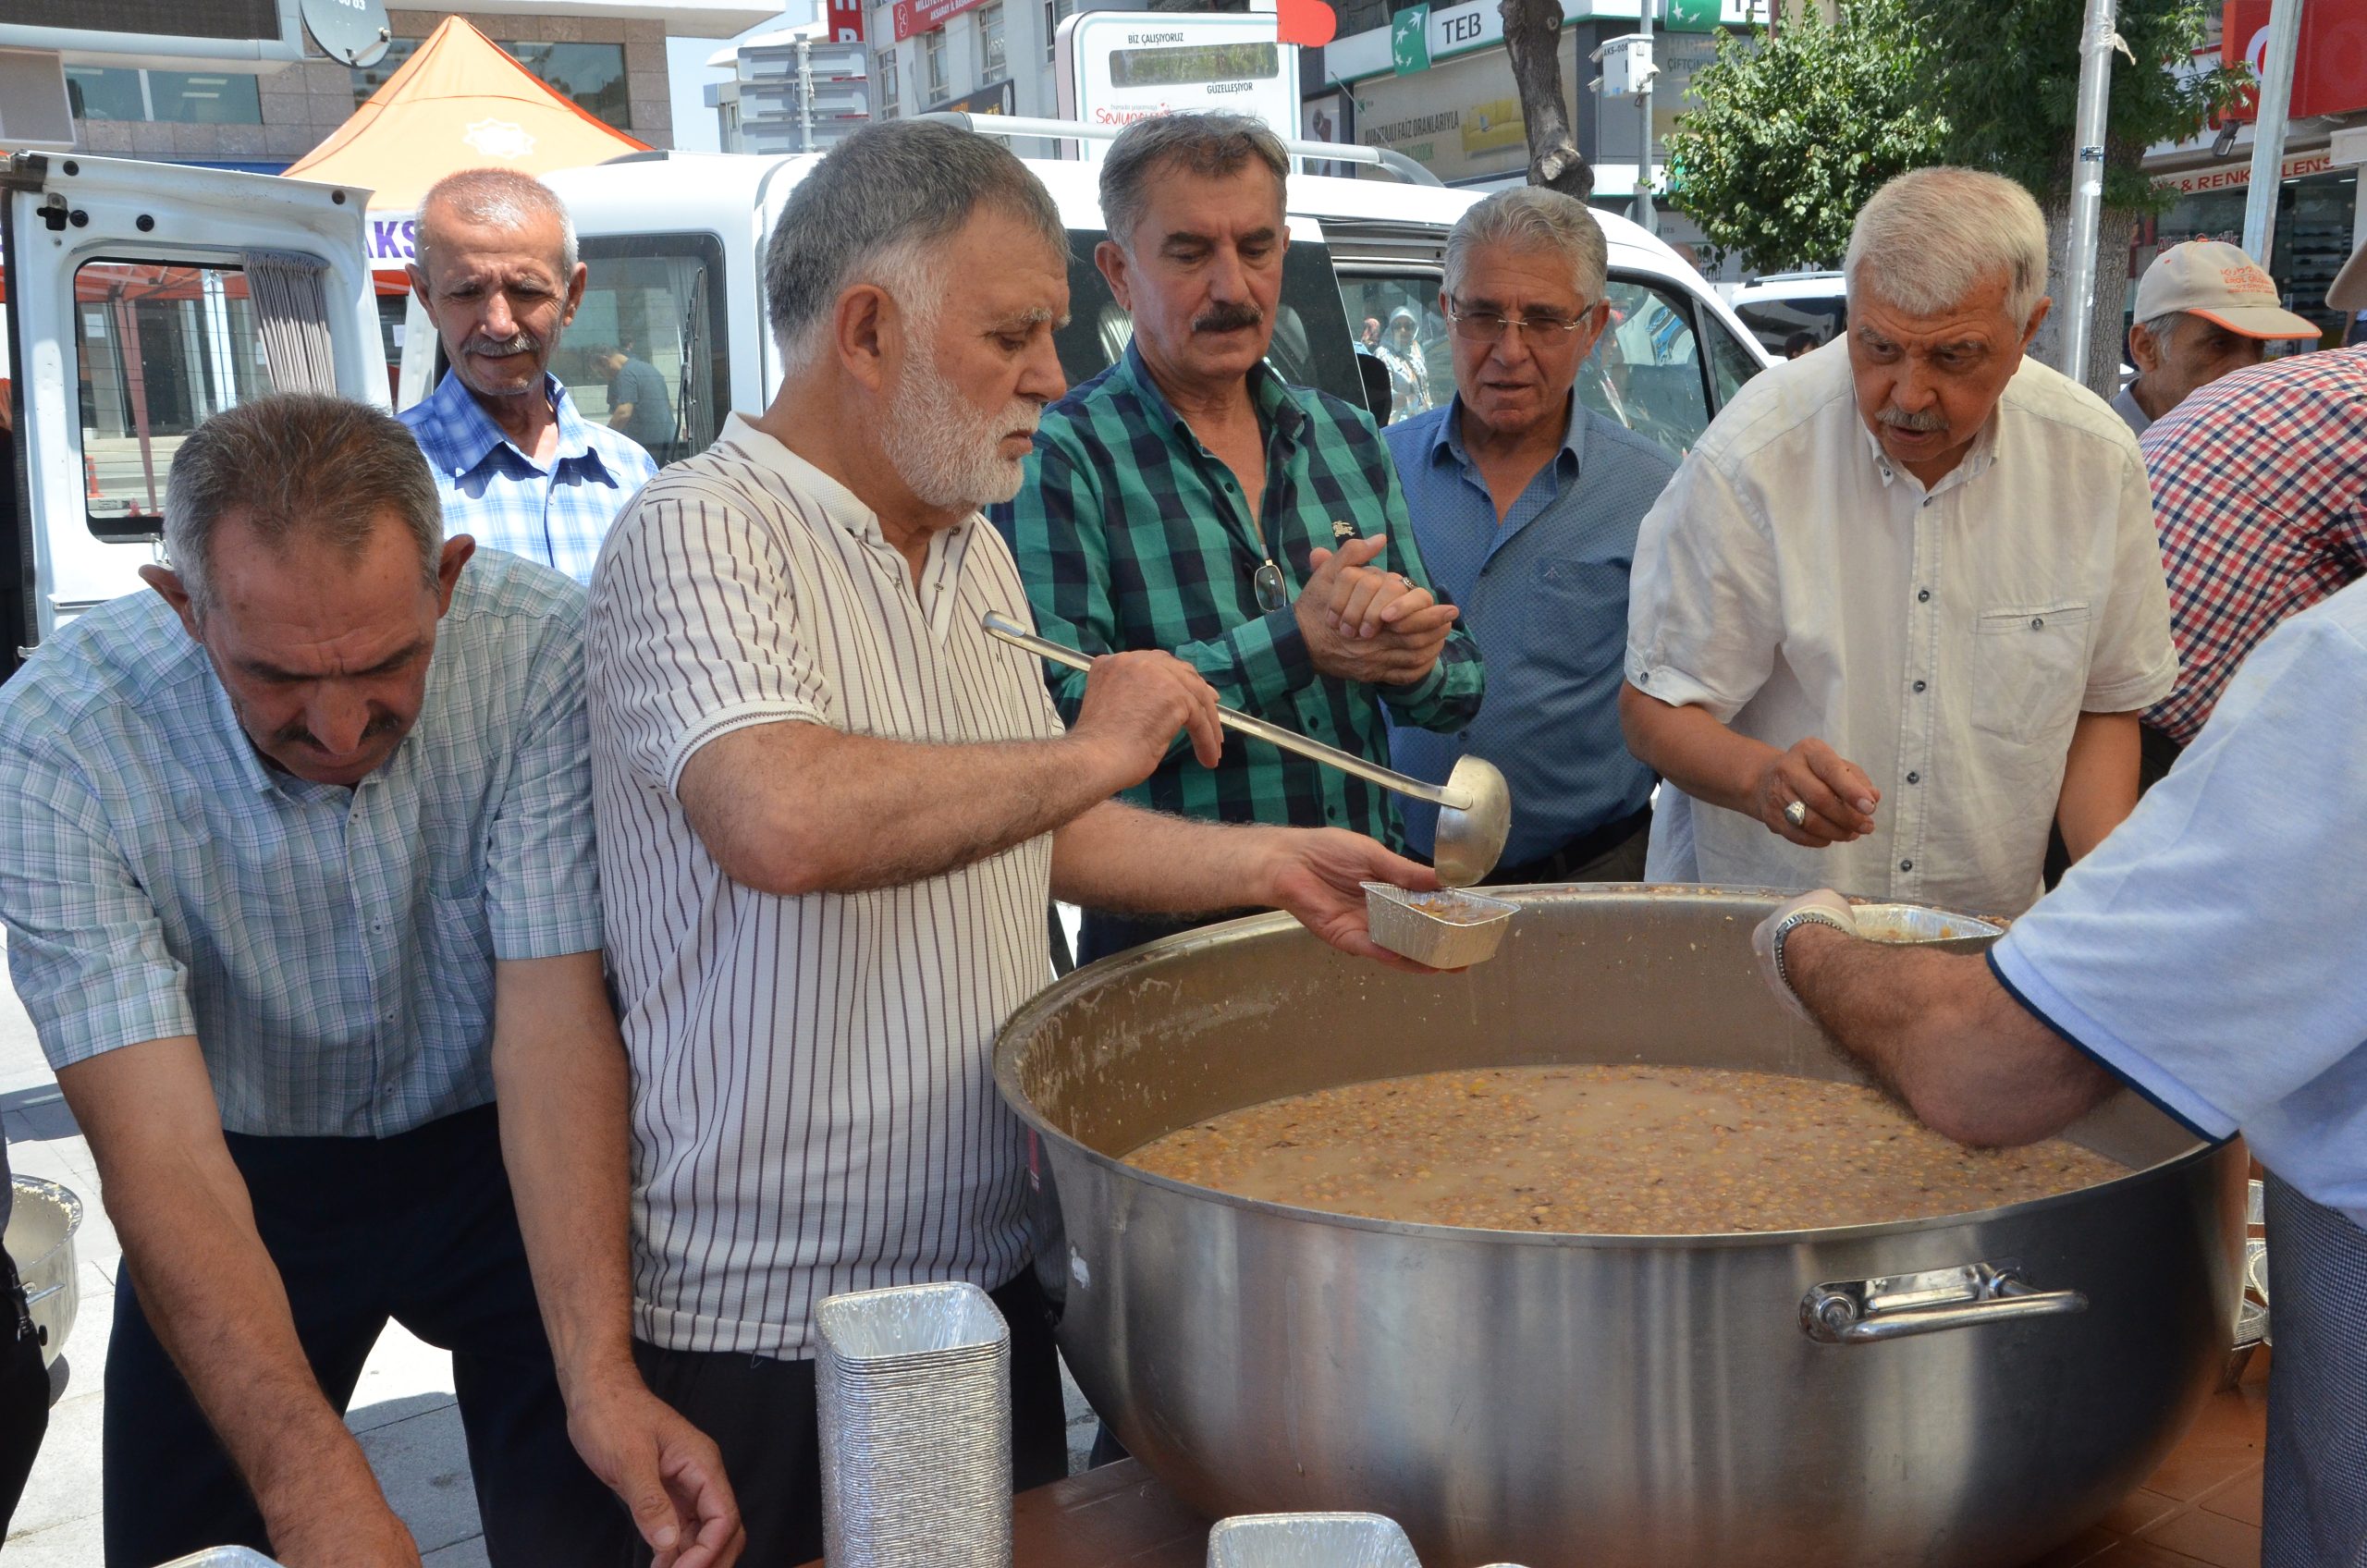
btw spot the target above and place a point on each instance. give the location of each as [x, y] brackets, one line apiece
[1532, 36]
[2115, 229]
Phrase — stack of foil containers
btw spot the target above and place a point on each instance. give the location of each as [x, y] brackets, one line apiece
[1310, 1541]
[914, 1384]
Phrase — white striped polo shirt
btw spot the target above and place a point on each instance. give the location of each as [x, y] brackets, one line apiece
[814, 1105]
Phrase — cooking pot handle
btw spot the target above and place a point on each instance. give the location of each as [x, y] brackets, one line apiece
[1860, 1312]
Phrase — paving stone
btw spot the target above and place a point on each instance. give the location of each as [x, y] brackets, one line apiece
[64, 1484]
[421, 1462]
[76, 1543]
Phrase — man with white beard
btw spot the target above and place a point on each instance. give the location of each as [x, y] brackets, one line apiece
[831, 810]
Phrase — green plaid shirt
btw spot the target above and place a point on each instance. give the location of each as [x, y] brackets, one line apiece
[1130, 534]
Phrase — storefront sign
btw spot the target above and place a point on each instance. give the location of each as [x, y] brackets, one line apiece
[1459, 121]
[2330, 68]
[999, 99]
[914, 17]
[1420, 37]
[2236, 177]
[846, 21]
[1114, 67]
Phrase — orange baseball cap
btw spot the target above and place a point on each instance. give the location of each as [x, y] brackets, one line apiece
[2214, 280]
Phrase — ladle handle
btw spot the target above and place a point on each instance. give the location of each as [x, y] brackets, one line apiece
[1232, 718]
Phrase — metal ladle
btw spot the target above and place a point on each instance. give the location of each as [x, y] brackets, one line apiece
[1475, 804]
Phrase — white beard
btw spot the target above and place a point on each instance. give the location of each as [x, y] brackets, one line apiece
[948, 452]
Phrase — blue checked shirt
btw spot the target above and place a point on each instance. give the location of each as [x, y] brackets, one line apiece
[497, 495]
[1545, 593]
[332, 950]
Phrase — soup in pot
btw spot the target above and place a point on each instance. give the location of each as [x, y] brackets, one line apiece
[1617, 1150]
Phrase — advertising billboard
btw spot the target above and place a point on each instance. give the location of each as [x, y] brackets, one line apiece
[1118, 66]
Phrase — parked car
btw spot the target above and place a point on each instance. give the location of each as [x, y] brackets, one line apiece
[1782, 303]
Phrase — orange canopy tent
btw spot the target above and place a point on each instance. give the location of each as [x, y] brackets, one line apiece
[459, 103]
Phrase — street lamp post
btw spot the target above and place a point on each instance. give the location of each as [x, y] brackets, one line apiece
[2098, 37]
[2268, 130]
[1643, 211]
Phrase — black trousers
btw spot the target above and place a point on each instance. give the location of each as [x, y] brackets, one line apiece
[24, 1392]
[764, 1414]
[417, 1227]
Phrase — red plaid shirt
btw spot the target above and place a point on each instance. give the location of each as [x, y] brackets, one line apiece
[2259, 492]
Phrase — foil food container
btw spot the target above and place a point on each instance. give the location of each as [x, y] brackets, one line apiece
[1310, 1541]
[1448, 929]
[914, 1386]
[224, 1557]
[1913, 922]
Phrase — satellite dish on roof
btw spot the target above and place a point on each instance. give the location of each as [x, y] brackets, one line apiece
[352, 30]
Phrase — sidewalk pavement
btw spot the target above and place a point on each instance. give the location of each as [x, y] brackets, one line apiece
[403, 1410]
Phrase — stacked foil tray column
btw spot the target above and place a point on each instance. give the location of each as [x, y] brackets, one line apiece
[914, 1384]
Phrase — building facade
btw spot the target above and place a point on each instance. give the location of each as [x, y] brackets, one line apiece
[263, 113]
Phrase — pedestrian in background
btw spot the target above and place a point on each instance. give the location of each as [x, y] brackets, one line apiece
[2203, 309]
[2259, 489]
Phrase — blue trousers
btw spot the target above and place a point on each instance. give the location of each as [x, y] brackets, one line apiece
[2314, 1503]
[418, 1228]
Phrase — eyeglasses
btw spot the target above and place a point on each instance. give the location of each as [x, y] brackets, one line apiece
[1544, 328]
[1272, 592]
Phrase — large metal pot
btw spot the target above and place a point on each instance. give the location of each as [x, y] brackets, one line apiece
[1955, 1391]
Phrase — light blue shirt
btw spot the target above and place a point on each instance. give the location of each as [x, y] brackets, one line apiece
[1545, 593]
[2212, 951]
[506, 500]
[331, 949]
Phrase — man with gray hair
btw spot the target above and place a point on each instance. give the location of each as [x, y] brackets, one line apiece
[520, 469]
[296, 862]
[832, 809]
[1900, 608]
[1527, 505]
[1189, 500]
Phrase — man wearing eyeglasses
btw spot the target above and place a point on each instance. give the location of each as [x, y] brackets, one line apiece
[1188, 500]
[1525, 503]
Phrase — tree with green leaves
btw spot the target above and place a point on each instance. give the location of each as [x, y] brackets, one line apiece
[1793, 136]
[2008, 72]
[1793, 132]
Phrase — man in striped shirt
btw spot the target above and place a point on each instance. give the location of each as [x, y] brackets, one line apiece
[832, 808]
[1187, 499]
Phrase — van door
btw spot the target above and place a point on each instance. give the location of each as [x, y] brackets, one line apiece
[143, 298]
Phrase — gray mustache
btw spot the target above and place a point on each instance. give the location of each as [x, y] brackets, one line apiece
[1930, 419]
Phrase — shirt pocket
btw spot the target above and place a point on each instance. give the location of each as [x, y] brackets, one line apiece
[2028, 670]
[1585, 604]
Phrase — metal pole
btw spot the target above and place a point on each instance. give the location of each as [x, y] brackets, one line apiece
[2098, 35]
[2268, 130]
[1643, 205]
[805, 96]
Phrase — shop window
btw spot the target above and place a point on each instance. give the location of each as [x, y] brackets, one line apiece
[884, 74]
[591, 75]
[97, 93]
[992, 64]
[195, 98]
[933, 58]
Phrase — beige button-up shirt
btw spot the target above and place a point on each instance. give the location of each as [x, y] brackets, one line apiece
[1792, 581]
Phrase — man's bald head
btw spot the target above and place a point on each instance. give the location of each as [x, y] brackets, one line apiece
[502, 199]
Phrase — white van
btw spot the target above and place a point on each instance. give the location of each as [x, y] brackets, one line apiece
[143, 298]
[675, 243]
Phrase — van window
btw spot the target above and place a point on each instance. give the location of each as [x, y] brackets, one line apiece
[1310, 347]
[658, 300]
[1646, 370]
[161, 347]
[1396, 319]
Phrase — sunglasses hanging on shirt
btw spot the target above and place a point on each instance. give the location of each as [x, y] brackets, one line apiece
[1274, 593]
